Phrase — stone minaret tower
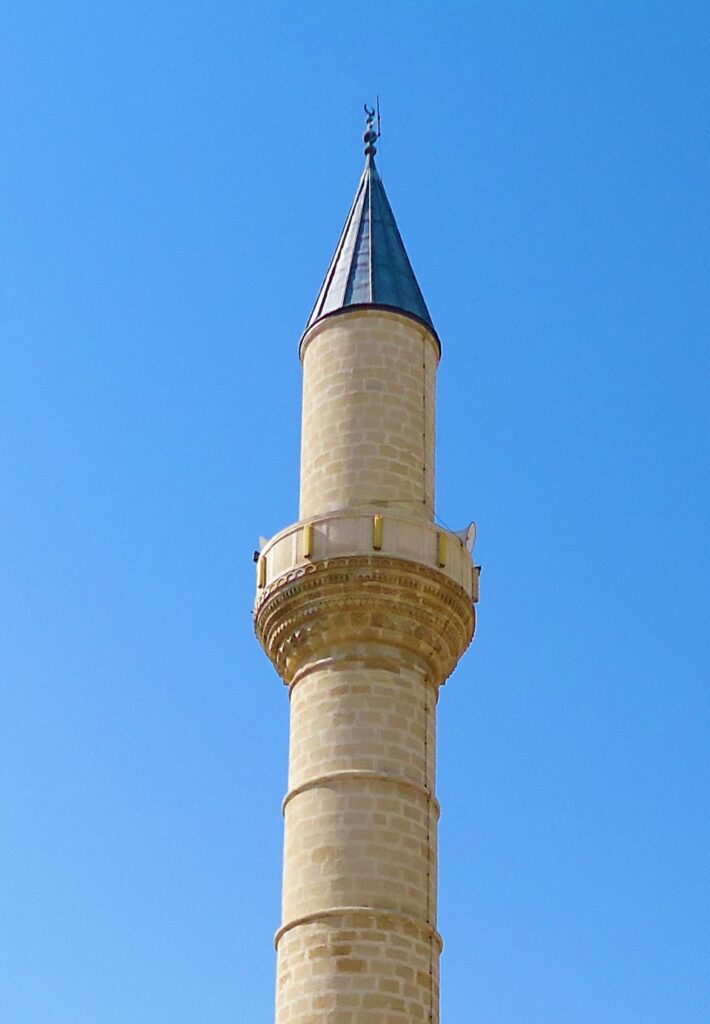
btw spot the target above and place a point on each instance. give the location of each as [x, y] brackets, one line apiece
[364, 606]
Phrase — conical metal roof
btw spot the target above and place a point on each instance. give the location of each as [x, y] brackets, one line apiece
[370, 266]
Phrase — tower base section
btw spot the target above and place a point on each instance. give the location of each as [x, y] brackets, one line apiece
[352, 965]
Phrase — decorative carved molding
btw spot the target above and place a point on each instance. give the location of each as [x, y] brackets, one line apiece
[360, 600]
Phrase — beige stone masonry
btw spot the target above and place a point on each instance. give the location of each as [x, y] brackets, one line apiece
[364, 607]
[364, 641]
[417, 615]
[352, 533]
[368, 414]
[358, 968]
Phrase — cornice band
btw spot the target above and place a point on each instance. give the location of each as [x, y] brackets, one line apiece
[355, 774]
[319, 915]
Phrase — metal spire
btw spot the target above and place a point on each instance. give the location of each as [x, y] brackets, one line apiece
[370, 266]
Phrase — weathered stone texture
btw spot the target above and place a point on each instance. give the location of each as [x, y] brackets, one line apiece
[358, 969]
[368, 415]
[373, 713]
[360, 815]
[363, 633]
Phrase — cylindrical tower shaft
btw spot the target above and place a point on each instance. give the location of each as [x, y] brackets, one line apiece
[359, 896]
[368, 415]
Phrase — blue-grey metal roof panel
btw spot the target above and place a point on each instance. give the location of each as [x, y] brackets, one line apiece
[370, 265]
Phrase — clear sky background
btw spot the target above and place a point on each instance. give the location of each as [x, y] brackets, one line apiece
[174, 177]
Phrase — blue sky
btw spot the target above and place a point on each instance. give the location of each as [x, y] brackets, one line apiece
[174, 177]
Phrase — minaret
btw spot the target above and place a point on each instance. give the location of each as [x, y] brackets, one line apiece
[364, 607]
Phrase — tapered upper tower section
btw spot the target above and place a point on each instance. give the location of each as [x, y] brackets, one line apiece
[369, 355]
[370, 266]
